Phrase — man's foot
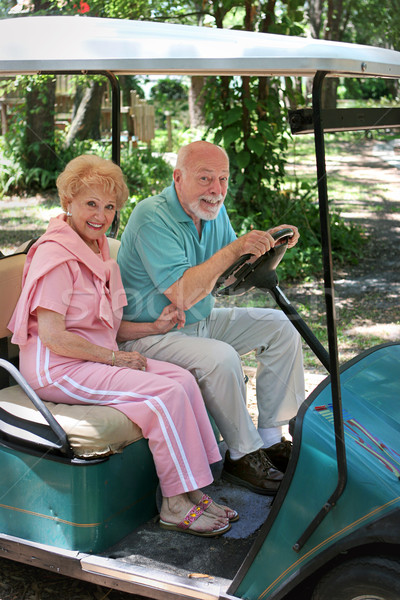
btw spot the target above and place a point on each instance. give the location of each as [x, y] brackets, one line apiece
[254, 471]
[279, 454]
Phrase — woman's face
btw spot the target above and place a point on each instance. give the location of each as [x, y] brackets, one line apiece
[92, 212]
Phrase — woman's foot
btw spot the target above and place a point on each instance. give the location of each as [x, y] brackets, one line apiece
[198, 497]
[180, 513]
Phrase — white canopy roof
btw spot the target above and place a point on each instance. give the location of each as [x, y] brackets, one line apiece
[81, 43]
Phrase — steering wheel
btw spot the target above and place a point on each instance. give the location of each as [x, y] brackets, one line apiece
[248, 271]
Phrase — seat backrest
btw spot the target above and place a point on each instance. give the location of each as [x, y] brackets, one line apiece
[11, 268]
[113, 245]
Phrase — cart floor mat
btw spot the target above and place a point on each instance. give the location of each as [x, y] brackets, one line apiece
[174, 552]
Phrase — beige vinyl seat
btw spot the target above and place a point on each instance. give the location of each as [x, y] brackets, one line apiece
[92, 431]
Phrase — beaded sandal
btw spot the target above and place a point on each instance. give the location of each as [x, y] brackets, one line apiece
[205, 502]
[194, 513]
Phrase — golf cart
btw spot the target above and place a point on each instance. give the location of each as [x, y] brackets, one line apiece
[79, 488]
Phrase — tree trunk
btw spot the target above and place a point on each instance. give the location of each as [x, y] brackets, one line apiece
[39, 133]
[86, 122]
[196, 101]
[332, 32]
[315, 17]
[329, 92]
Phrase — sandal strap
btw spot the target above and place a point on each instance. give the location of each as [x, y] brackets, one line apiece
[205, 501]
[194, 513]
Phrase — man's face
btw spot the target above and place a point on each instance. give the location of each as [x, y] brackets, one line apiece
[203, 183]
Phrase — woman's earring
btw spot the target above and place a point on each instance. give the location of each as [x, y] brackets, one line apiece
[69, 214]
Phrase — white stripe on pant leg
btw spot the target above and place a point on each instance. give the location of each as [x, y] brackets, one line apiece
[148, 399]
[46, 365]
[83, 399]
[168, 441]
[84, 388]
[178, 440]
[38, 349]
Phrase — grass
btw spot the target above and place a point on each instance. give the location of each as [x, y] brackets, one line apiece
[22, 219]
[343, 190]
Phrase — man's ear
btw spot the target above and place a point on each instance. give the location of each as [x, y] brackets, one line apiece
[177, 175]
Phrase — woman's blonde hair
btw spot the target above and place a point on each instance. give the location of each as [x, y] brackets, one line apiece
[88, 170]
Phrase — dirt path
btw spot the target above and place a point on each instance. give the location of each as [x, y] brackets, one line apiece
[372, 288]
[367, 295]
[380, 214]
[370, 291]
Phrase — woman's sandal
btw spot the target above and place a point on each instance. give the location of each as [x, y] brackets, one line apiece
[184, 526]
[206, 502]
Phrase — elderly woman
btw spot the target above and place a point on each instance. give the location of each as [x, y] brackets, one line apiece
[66, 324]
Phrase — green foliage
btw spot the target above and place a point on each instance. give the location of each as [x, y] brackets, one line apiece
[298, 205]
[169, 90]
[16, 177]
[14, 173]
[180, 137]
[120, 9]
[145, 175]
[366, 89]
[376, 22]
[21, 167]
[247, 116]
[170, 95]
[256, 153]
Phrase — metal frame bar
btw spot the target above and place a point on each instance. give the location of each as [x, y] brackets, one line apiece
[330, 314]
[302, 327]
[344, 119]
[60, 440]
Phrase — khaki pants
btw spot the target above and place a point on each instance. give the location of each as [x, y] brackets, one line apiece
[211, 350]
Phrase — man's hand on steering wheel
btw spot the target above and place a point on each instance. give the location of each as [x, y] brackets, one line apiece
[292, 241]
[258, 242]
[261, 253]
[255, 242]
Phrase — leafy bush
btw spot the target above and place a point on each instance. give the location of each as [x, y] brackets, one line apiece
[16, 177]
[145, 175]
[170, 95]
[366, 89]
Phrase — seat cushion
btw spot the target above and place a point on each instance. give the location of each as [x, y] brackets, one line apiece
[92, 431]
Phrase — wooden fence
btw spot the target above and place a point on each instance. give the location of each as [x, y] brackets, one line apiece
[137, 119]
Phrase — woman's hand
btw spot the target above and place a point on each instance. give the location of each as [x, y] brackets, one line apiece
[169, 317]
[133, 330]
[132, 360]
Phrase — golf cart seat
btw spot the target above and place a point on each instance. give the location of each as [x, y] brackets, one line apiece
[92, 431]
[75, 447]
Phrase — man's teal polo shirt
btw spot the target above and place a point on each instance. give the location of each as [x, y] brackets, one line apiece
[159, 244]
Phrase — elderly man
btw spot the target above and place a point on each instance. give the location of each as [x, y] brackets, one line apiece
[173, 250]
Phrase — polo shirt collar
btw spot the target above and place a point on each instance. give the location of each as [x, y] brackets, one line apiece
[175, 206]
[179, 214]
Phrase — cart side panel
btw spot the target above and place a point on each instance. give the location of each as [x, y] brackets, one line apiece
[371, 413]
[85, 507]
